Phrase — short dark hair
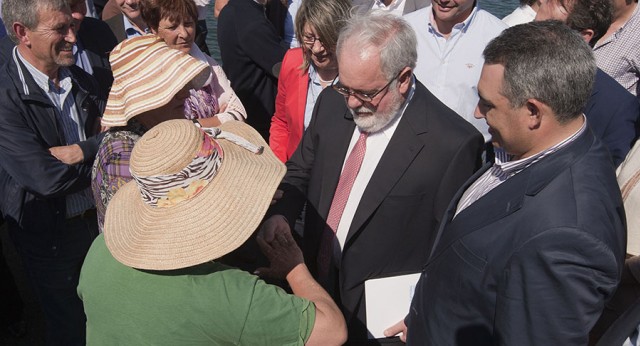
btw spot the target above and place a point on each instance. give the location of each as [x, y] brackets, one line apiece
[153, 11]
[594, 15]
[546, 61]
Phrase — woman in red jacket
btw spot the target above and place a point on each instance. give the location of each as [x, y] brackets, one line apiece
[306, 71]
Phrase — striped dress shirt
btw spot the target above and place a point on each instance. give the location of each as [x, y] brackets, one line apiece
[504, 168]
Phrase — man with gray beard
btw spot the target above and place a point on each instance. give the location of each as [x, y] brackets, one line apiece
[377, 167]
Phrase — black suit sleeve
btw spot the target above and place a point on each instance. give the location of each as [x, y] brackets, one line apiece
[262, 45]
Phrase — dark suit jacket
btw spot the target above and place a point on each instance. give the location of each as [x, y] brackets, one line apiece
[33, 183]
[116, 23]
[622, 313]
[530, 263]
[613, 114]
[432, 152]
[97, 40]
[251, 53]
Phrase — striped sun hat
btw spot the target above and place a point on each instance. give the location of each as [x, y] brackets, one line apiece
[146, 75]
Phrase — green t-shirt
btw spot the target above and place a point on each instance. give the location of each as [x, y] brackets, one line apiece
[208, 304]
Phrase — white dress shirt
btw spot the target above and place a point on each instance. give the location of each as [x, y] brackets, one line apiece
[450, 67]
[521, 15]
[395, 7]
[376, 144]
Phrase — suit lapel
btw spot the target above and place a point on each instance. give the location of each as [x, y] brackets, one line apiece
[451, 208]
[495, 205]
[400, 152]
[508, 197]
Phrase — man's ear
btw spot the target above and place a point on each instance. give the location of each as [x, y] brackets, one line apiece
[22, 33]
[536, 111]
[587, 35]
[404, 80]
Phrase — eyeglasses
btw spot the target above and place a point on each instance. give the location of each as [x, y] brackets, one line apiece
[310, 40]
[361, 95]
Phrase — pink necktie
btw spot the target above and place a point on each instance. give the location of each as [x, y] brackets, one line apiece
[347, 178]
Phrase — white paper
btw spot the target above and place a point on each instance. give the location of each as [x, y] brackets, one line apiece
[388, 301]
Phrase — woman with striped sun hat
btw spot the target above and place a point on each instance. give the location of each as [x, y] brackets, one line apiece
[151, 83]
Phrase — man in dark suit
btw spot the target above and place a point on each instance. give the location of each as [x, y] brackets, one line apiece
[418, 152]
[49, 113]
[532, 245]
[613, 112]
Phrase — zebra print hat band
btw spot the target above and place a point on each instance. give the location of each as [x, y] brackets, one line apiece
[210, 194]
[170, 189]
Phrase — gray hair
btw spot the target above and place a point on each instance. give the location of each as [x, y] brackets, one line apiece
[390, 34]
[26, 12]
[546, 61]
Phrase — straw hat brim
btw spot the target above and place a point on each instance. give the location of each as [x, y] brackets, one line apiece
[213, 223]
[147, 75]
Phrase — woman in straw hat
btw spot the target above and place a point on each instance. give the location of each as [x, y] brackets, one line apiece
[151, 277]
[174, 21]
[151, 83]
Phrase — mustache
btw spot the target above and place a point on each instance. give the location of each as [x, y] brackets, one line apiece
[66, 47]
[361, 109]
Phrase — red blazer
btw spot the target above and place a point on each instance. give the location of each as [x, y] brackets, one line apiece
[287, 124]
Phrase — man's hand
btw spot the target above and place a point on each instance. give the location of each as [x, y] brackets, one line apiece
[397, 328]
[69, 154]
[276, 196]
[272, 225]
[283, 254]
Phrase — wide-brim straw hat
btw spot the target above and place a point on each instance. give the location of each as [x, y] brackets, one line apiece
[146, 75]
[215, 221]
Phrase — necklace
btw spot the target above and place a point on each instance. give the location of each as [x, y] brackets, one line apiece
[325, 81]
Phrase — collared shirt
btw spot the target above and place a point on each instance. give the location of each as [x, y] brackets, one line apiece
[376, 144]
[82, 59]
[68, 120]
[619, 54]
[130, 29]
[450, 67]
[504, 168]
[395, 7]
[521, 15]
[313, 91]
